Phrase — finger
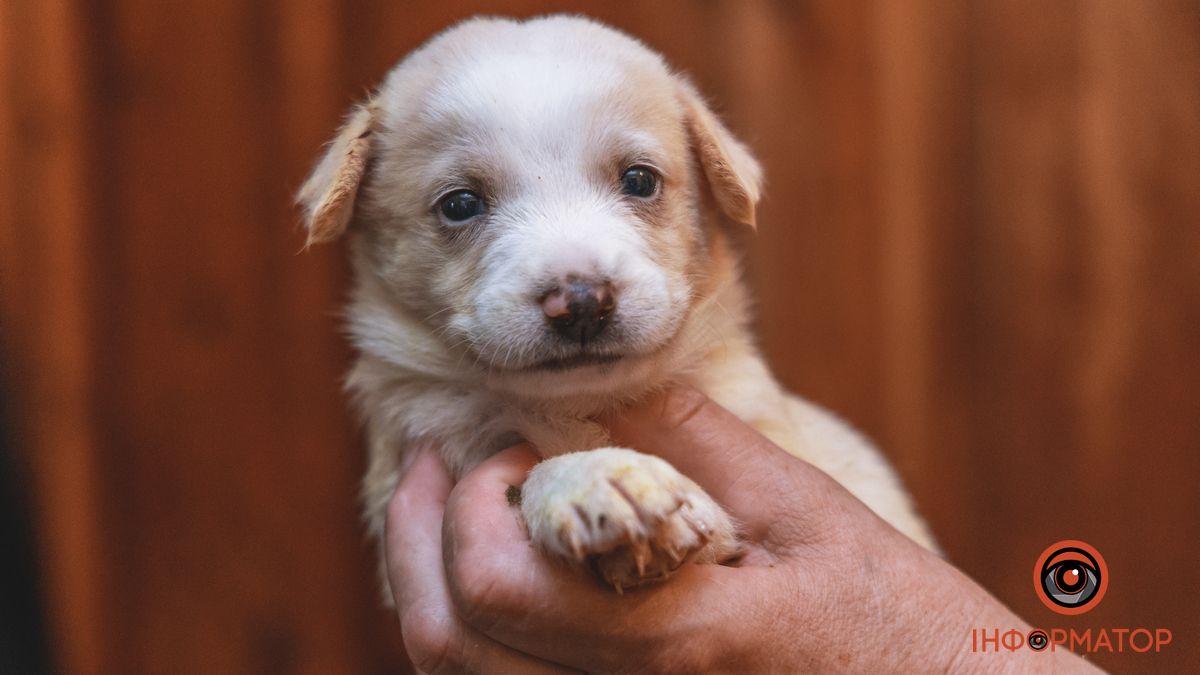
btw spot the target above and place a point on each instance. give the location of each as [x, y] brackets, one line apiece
[509, 590]
[436, 640]
[732, 461]
[413, 531]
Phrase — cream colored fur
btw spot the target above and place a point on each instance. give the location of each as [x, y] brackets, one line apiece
[542, 116]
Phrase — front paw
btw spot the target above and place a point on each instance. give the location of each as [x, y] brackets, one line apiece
[632, 516]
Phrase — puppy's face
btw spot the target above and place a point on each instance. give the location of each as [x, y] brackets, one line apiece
[535, 193]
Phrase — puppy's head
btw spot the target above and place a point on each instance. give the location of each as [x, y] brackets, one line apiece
[545, 195]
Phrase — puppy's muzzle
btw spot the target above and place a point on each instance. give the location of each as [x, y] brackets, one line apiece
[579, 310]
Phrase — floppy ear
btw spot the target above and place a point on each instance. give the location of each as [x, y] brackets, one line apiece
[327, 197]
[733, 174]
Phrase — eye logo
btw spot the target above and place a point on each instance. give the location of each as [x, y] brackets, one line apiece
[1070, 577]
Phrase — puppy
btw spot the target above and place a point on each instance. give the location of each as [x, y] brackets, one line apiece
[540, 216]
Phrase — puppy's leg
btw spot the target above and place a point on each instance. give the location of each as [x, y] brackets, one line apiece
[632, 516]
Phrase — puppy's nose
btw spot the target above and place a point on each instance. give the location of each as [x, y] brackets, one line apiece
[579, 310]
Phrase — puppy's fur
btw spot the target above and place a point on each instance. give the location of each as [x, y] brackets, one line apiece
[541, 118]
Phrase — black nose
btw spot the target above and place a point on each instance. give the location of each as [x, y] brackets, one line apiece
[579, 310]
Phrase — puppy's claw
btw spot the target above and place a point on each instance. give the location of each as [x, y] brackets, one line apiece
[583, 517]
[633, 503]
[639, 558]
[635, 534]
[699, 528]
[675, 555]
[572, 539]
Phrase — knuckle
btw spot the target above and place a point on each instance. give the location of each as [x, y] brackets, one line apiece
[478, 587]
[429, 641]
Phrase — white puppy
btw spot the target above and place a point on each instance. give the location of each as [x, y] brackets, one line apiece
[540, 216]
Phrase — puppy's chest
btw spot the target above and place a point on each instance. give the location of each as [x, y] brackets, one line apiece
[471, 425]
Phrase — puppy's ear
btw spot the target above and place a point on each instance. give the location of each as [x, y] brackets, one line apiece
[733, 174]
[327, 197]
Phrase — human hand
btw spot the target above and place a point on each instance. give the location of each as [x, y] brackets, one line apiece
[826, 585]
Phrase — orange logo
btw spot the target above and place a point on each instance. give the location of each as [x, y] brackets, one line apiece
[1070, 577]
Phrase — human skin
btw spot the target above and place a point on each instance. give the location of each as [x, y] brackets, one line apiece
[825, 585]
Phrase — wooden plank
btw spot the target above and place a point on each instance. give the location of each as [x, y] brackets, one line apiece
[45, 296]
[224, 427]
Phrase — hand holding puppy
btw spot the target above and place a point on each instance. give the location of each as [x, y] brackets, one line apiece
[825, 584]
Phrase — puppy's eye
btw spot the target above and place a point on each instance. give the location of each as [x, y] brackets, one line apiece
[461, 205]
[639, 181]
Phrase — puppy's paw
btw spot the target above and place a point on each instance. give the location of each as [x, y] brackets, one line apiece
[632, 516]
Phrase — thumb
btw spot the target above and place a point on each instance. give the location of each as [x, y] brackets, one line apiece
[733, 462]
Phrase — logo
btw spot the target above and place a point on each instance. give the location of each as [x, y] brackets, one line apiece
[1070, 577]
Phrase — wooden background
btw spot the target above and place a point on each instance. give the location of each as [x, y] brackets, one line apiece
[980, 242]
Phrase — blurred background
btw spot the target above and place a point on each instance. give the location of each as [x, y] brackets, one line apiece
[980, 242]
